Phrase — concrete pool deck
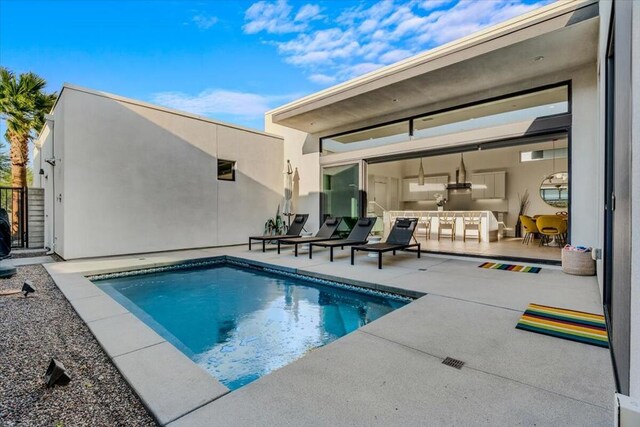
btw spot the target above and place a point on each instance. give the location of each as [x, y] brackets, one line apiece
[388, 372]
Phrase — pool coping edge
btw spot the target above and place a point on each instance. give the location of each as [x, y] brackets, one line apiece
[81, 292]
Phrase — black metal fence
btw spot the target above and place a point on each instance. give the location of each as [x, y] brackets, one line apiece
[14, 201]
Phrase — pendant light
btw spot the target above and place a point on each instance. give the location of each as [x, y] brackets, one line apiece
[463, 170]
[421, 174]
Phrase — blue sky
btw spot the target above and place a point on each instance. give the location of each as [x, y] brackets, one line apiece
[230, 60]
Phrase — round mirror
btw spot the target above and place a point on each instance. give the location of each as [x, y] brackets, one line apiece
[554, 190]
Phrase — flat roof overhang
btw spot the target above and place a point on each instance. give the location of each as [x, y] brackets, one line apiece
[565, 34]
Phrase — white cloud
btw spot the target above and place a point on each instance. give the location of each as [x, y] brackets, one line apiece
[322, 79]
[321, 48]
[213, 102]
[368, 26]
[276, 17]
[308, 12]
[395, 55]
[362, 68]
[309, 58]
[360, 39]
[204, 22]
[467, 17]
[433, 4]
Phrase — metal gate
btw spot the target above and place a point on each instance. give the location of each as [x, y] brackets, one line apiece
[14, 201]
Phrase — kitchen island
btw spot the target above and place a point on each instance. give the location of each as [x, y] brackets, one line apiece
[489, 227]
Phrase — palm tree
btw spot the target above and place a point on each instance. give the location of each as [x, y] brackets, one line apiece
[23, 104]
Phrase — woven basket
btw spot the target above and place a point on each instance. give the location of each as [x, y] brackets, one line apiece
[578, 263]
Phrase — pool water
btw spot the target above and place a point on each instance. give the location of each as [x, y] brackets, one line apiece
[241, 323]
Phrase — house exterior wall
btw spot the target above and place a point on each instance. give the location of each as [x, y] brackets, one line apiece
[586, 182]
[133, 178]
[52, 181]
[303, 150]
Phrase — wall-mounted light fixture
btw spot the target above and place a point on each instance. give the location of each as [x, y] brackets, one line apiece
[41, 172]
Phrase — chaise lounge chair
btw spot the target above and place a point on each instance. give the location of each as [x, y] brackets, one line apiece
[358, 236]
[294, 231]
[399, 239]
[326, 232]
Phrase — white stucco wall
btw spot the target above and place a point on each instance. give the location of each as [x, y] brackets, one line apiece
[140, 179]
[302, 149]
[586, 161]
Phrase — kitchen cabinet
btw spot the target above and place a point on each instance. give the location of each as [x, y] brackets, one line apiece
[488, 185]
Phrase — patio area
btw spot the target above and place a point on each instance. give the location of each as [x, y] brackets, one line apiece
[391, 371]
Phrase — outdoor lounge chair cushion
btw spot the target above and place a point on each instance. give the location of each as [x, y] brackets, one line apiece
[403, 223]
[298, 224]
[362, 229]
[364, 222]
[328, 228]
[331, 221]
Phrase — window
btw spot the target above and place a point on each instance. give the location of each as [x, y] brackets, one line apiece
[374, 137]
[522, 107]
[226, 170]
[547, 102]
[550, 154]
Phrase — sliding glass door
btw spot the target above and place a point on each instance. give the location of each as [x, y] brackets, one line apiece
[341, 195]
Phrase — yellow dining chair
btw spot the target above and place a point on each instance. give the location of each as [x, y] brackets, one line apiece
[530, 228]
[552, 227]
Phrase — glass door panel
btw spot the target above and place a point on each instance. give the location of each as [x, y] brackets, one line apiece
[341, 194]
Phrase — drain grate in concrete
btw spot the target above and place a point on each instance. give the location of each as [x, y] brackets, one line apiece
[454, 363]
[422, 269]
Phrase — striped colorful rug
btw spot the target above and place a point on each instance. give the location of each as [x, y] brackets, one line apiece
[510, 267]
[571, 325]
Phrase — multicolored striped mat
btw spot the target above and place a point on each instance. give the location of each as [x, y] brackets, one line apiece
[571, 325]
[510, 267]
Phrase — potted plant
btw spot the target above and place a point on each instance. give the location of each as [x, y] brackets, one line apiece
[274, 226]
[440, 201]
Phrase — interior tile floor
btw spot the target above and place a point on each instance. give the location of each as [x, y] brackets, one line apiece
[506, 247]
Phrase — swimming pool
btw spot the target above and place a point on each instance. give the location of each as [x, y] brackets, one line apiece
[241, 323]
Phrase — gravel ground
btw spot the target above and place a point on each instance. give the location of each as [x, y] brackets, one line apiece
[42, 326]
[27, 253]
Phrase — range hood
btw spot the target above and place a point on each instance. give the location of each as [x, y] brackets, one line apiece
[461, 175]
[459, 186]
